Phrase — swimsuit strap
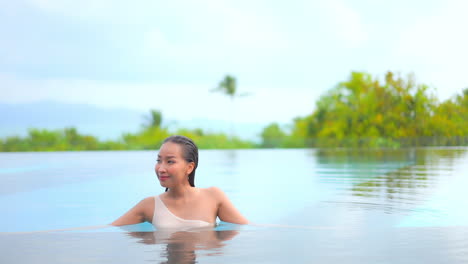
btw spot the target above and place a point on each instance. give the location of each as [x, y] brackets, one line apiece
[163, 217]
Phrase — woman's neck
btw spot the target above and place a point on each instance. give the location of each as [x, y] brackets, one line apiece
[180, 192]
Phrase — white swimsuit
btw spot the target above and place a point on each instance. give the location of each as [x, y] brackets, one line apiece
[163, 218]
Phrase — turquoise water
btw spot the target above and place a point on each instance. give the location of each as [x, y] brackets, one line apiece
[327, 206]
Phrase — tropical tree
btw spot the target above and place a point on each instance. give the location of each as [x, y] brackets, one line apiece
[366, 112]
[273, 136]
[228, 86]
[154, 119]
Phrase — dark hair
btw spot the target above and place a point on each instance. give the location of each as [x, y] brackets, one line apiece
[189, 153]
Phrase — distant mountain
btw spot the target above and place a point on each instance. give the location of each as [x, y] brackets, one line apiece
[104, 123]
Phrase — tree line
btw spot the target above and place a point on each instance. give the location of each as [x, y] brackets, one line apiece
[362, 111]
[150, 136]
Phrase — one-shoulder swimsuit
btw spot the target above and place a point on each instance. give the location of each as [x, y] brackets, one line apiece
[163, 218]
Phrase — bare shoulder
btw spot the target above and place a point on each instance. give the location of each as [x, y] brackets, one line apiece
[213, 191]
[146, 206]
[141, 212]
[215, 194]
[147, 201]
[227, 212]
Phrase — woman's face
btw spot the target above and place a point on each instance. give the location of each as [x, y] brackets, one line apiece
[171, 168]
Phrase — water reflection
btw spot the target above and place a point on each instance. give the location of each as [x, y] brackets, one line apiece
[386, 179]
[183, 246]
[428, 169]
[347, 156]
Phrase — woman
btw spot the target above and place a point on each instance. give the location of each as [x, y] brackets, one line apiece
[182, 205]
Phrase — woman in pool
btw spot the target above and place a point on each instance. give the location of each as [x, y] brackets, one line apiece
[182, 205]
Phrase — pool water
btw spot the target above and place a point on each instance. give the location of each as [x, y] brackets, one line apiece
[307, 205]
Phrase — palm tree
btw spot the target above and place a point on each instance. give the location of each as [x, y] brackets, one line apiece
[154, 119]
[228, 86]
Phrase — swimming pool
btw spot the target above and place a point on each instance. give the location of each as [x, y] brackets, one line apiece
[309, 205]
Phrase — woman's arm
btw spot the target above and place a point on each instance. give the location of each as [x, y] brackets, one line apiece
[227, 212]
[138, 214]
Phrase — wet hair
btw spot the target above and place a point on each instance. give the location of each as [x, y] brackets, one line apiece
[189, 153]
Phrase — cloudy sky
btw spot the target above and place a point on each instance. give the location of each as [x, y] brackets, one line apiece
[168, 55]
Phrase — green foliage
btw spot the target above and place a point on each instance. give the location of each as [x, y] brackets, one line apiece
[298, 135]
[227, 86]
[14, 144]
[45, 140]
[214, 140]
[149, 137]
[155, 118]
[364, 112]
[359, 112]
[273, 136]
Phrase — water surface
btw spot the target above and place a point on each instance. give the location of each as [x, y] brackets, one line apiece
[328, 206]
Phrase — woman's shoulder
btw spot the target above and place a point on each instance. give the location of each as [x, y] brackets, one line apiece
[148, 201]
[213, 192]
[150, 198]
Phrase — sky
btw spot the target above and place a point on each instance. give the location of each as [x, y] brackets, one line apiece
[168, 55]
